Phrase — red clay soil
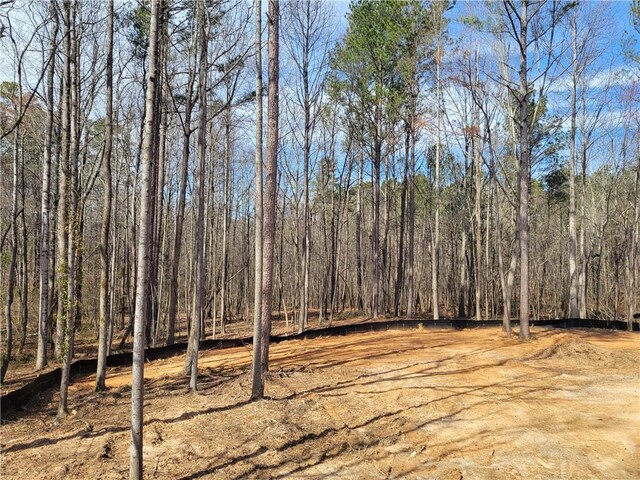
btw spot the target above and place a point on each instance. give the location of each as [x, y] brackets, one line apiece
[21, 369]
[396, 404]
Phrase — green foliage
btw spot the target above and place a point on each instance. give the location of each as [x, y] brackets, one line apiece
[472, 21]
[635, 15]
[548, 139]
[630, 40]
[136, 23]
[556, 184]
[5, 259]
[417, 26]
[372, 66]
[9, 90]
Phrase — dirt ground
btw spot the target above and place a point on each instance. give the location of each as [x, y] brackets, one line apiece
[21, 368]
[397, 404]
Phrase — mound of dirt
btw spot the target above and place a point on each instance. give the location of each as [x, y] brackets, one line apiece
[587, 354]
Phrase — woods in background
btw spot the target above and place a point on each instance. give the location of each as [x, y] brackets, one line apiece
[421, 159]
[472, 160]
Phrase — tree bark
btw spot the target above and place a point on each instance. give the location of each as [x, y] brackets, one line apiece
[633, 253]
[24, 264]
[73, 225]
[403, 203]
[477, 211]
[359, 264]
[257, 388]
[198, 245]
[63, 187]
[226, 216]
[270, 194]
[177, 239]
[435, 242]
[103, 338]
[144, 247]
[411, 209]
[524, 174]
[304, 303]
[5, 357]
[43, 311]
[573, 238]
[375, 229]
[582, 275]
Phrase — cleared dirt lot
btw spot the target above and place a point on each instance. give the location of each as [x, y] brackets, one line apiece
[398, 404]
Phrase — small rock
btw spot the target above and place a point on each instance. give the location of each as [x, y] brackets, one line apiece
[107, 450]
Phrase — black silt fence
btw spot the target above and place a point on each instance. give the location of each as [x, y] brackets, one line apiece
[17, 399]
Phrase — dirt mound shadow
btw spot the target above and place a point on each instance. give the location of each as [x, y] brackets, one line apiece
[586, 354]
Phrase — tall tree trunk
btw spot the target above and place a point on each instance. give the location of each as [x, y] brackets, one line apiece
[411, 209]
[257, 388]
[270, 198]
[463, 275]
[304, 301]
[582, 276]
[5, 356]
[198, 245]
[279, 257]
[24, 263]
[152, 299]
[103, 338]
[507, 277]
[226, 215]
[477, 231]
[144, 247]
[385, 261]
[524, 174]
[403, 202]
[573, 238]
[359, 264]
[633, 252]
[112, 269]
[477, 187]
[73, 226]
[375, 229]
[435, 241]
[177, 239]
[63, 185]
[159, 220]
[43, 311]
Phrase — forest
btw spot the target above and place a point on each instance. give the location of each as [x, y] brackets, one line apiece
[180, 170]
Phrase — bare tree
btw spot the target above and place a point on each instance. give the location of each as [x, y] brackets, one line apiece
[143, 246]
[198, 308]
[530, 24]
[586, 29]
[62, 241]
[632, 270]
[5, 357]
[43, 313]
[435, 236]
[179, 222]
[306, 41]
[71, 228]
[103, 339]
[271, 184]
[524, 159]
[257, 389]
[574, 312]
[16, 96]
[228, 200]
